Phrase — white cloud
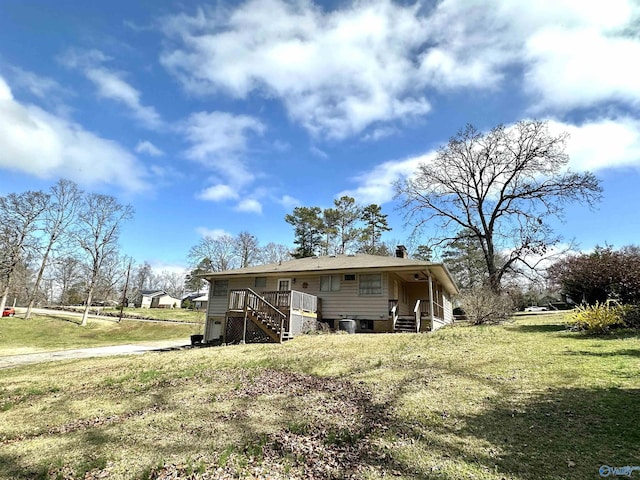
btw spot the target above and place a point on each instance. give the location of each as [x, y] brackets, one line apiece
[249, 205]
[41, 87]
[572, 69]
[212, 233]
[573, 53]
[289, 202]
[592, 146]
[603, 143]
[45, 145]
[219, 141]
[336, 72]
[111, 85]
[218, 193]
[315, 151]
[371, 64]
[377, 186]
[148, 148]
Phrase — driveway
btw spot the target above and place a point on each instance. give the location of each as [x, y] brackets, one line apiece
[30, 358]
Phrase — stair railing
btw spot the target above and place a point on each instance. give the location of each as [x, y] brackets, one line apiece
[258, 304]
[417, 313]
[394, 315]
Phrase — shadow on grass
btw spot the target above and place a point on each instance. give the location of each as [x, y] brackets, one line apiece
[619, 334]
[565, 433]
[544, 328]
[75, 321]
[629, 352]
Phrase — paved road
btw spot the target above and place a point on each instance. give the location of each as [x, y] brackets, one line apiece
[30, 358]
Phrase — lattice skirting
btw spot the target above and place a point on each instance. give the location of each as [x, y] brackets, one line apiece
[235, 328]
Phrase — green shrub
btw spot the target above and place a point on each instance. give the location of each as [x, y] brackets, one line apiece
[598, 318]
[631, 315]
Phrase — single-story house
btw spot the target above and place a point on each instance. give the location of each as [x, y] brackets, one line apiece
[155, 299]
[200, 303]
[361, 293]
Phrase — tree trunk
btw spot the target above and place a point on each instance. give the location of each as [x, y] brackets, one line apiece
[38, 280]
[85, 314]
[3, 301]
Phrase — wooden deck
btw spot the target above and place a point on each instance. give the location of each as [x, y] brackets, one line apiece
[278, 315]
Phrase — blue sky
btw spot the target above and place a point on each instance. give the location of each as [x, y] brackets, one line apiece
[222, 117]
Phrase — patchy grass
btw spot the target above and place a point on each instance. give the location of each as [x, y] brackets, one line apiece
[60, 332]
[526, 400]
[169, 314]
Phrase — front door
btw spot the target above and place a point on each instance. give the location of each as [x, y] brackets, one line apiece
[282, 299]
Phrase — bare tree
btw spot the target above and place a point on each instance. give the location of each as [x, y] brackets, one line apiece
[60, 213]
[111, 277]
[247, 248]
[170, 282]
[19, 216]
[65, 270]
[501, 186]
[274, 253]
[217, 253]
[142, 277]
[99, 221]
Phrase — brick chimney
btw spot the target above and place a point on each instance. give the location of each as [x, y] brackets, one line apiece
[401, 252]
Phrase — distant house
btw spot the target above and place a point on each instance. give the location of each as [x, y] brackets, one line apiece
[155, 299]
[365, 293]
[201, 302]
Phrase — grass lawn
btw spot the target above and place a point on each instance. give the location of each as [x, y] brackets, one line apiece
[60, 332]
[525, 400]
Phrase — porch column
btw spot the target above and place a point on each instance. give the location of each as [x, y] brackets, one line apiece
[431, 300]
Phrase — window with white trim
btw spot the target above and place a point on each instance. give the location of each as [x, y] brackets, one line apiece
[329, 283]
[370, 284]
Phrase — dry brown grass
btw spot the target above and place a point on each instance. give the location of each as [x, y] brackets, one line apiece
[526, 400]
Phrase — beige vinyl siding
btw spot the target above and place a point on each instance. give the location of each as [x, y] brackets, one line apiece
[343, 303]
[348, 303]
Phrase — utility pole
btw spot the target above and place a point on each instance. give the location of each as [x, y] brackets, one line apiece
[124, 293]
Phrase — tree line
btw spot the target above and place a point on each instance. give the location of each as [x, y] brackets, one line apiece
[344, 228]
[488, 196]
[58, 239]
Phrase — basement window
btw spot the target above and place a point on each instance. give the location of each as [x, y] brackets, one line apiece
[366, 324]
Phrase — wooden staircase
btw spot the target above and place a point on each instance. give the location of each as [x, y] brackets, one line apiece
[405, 324]
[261, 313]
[268, 324]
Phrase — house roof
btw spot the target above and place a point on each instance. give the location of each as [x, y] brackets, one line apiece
[152, 293]
[201, 298]
[340, 263]
[156, 293]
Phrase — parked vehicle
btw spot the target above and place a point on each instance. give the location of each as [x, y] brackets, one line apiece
[9, 312]
[536, 309]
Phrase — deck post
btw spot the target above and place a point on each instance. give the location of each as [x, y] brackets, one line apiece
[244, 329]
[431, 300]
